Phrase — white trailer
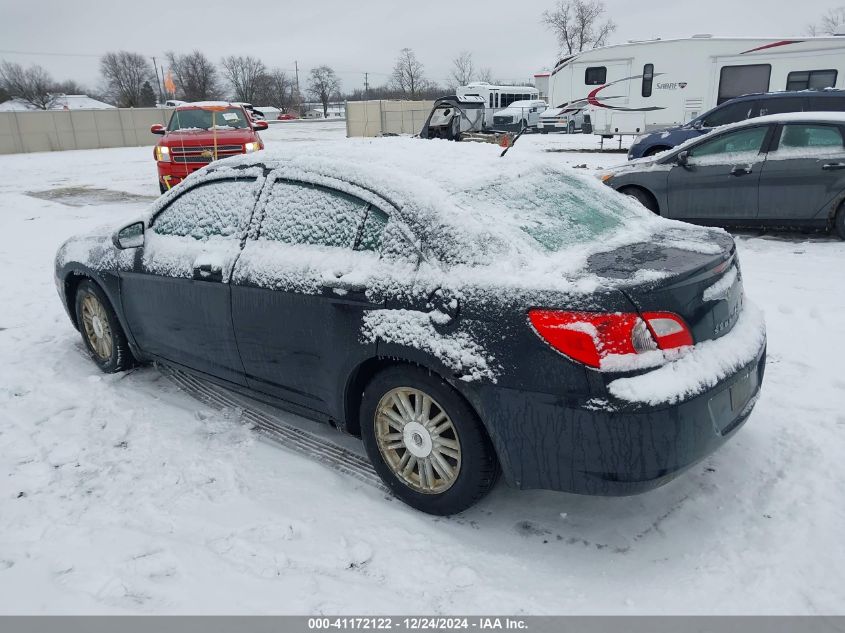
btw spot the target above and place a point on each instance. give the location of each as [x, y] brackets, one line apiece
[497, 97]
[644, 86]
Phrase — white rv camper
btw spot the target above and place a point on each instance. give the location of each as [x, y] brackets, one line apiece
[643, 86]
[497, 97]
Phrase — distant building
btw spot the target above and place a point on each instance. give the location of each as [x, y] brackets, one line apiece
[333, 112]
[541, 83]
[62, 102]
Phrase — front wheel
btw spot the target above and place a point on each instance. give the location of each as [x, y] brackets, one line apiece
[425, 442]
[643, 197]
[571, 128]
[100, 329]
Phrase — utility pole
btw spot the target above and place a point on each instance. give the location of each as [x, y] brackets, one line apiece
[366, 87]
[158, 81]
[298, 93]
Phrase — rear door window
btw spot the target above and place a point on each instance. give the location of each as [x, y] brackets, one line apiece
[826, 104]
[369, 237]
[731, 113]
[810, 139]
[779, 105]
[736, 81]
[306, 214]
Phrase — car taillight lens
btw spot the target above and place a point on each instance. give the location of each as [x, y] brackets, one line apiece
[589, 337]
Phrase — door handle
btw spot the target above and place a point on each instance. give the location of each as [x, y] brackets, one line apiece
[741, 171]
[833, 166]
[344, 286]
[208, 272]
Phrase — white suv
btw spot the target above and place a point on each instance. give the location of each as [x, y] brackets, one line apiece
[569, 120]
[520, 115]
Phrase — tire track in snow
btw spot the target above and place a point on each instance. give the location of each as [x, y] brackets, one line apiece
[276, 430]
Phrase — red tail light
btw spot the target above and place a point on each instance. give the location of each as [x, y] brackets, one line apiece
[589, 337]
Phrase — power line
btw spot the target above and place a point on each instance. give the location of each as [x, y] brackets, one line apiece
[10, 52]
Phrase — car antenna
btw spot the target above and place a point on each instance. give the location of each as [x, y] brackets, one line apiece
[511, 141]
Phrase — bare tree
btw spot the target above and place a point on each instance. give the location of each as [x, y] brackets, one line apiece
[276, 90]
[32, 85]
[245, 76]
[125, 74]
[194, 75]
[486, 74]
[69, 87]
[408, 73]
[578, 24]
[323, 85]
[463, 70]
[832, 23]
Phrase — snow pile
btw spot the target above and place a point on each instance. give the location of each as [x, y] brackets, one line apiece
[701, 368]
[410, 328]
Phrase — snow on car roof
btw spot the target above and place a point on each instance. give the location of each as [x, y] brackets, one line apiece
[530, 217]
[209, 104]
[525, 103]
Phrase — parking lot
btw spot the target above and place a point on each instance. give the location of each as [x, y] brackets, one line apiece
[123, 494]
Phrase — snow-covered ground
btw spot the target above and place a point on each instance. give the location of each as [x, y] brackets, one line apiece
[122, 494]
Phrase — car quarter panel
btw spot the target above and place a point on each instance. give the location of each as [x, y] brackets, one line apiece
[581, 447]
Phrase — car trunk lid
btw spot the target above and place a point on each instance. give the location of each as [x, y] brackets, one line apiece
[700, 281]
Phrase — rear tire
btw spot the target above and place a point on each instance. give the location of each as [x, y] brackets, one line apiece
[425, 442]
[101, 331]
[839, 222]
[643, 197]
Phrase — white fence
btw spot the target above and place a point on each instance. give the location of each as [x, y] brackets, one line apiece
[374, 118]
[53, 130]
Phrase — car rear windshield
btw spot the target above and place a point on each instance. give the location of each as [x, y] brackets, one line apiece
[553, 210]
[208, 118]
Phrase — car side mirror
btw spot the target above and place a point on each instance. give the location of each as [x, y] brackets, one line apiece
[158, 128]
[130, 236]
[697, 125]
[683, 158]
[260, 125]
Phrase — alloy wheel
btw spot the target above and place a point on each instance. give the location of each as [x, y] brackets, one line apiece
[418, 441]
[95, 322]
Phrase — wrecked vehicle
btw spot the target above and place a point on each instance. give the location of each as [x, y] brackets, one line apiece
[461, 118]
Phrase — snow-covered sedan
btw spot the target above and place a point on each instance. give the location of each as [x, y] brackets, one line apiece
[464, 314]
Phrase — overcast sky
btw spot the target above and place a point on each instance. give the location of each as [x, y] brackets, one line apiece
[354, 37]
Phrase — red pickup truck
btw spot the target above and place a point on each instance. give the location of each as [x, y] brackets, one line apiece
[199, 133]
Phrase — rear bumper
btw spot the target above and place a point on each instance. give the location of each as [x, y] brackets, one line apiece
[545, 441]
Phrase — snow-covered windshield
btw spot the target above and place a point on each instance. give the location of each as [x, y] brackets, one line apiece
[552, 209]
[208, 118]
